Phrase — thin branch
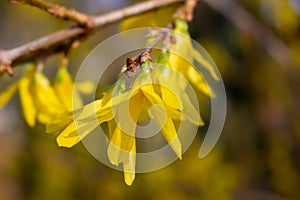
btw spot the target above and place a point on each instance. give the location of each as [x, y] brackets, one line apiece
[186, 11]
[190, 7]
[158, 38]
[243, 20]
[135, 62]
[60, 11]
[61, 40]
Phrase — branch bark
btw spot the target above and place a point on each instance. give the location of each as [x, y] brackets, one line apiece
[186, 11]
[61, 40]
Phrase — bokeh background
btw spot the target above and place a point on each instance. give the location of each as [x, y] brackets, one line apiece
[257, 156]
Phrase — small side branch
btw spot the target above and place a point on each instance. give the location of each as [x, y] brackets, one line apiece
[134, 62]
[186, 11]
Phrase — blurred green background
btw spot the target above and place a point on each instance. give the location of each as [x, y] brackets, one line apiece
[257, 156]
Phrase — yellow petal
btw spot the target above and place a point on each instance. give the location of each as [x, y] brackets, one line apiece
[75, 132]
[168, 130]
[85, 87]
[189, 111]
[113, 150]
[111, 127]
[188, 71]
[112, 101]
[45, 118]
[128, 113]
[144, 80]
[46, 102]
[103, 113]
[76, 100]
[164, 122]
[144, 115]
[199, 58]
[197, 80]
[178, 65]
[27, 102]
[119, 146]
[136, 104]
[64, 89]
[89, 110]
[122, 139]
[178, 99]
[63, 120]
[170, 135]
[129, 165]
[91, 116]
[170, 98]
[155, 99]
[106, 98]
[123, 136]
[185, 47]
[7, 94]
[60, 123]
[45, 98]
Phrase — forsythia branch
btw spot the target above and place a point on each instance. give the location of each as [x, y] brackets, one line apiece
[187, 10]
[62, 40]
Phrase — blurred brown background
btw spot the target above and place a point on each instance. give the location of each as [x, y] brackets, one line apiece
[257, 156]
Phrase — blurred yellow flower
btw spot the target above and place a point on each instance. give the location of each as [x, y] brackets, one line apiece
[46, 102]
[67, 91]
[123, 108]
[38, 98]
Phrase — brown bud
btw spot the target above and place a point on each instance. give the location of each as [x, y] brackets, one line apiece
[130, 64]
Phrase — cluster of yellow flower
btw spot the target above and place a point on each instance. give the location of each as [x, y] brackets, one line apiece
[41, 101]
[123, 106]
[164, 85]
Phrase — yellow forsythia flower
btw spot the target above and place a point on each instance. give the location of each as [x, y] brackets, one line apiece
[137, 102]
[46, 102]
[185, 47]
[38, 98]
[67, 92]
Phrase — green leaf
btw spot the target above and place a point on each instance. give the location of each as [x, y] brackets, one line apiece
[181, 26]
[163, 58]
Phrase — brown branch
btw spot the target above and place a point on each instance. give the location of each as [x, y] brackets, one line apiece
[61, 40]
[158, 38]
[186, 11]
[243, 20]
[133, 63]
[190, 7]
[60, 11]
